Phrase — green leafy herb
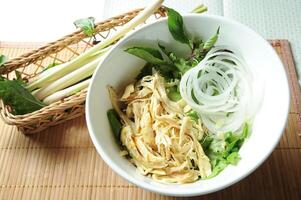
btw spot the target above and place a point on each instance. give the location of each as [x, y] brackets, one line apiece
[87, 25]
[167, 63]
[168, 56]
[18, 98]
[115, 123]
[181, 64]
[167, 71]
[184, 65]
[198, 53]
[217, 146]
[233, 158]
[219, 166]
[148, 54]
[155, 59]
[173, 93]
[2, 59]
[211, 41]
[193, 115]
[224, 151]
[176, 27]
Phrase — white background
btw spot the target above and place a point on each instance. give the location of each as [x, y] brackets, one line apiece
[44, 20]
[48, 20]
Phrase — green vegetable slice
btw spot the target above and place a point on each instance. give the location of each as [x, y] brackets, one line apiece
[115, 123]
[219, 166]
[233, 158]
[173, 93]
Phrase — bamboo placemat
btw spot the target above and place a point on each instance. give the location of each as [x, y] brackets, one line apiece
[61, 162]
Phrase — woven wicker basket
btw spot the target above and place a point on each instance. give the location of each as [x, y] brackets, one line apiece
[62, 50]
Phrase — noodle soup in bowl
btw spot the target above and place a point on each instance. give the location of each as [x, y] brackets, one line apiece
[119, 69]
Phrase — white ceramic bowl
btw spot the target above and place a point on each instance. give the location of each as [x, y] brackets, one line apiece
[119, 68]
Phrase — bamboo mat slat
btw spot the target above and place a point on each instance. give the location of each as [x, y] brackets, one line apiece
[61, 162]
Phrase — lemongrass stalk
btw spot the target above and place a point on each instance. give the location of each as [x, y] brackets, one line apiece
[66, 92]
[59, 71]
[200, 9]
[57, 67]
[77, 62]
[68, 80]
[35, 92]
[44, 73]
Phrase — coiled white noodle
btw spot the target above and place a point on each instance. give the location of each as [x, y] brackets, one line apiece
[219, 90]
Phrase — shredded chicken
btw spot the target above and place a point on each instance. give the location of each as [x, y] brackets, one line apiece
[162, 142]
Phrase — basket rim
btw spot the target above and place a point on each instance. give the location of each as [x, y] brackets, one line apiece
[65, 39]
[79, 97]
[63, 104]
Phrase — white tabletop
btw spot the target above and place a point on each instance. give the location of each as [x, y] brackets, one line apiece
[41, 21]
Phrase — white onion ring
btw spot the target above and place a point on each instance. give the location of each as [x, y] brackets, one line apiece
[219, 89]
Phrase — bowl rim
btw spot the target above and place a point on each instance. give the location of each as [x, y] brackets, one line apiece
[187, 193]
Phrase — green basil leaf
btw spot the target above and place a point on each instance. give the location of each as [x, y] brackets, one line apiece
[148, 54]
[18, 98]
[163, 49]
[87, 25]
[166, 54]
[211, 41]
[176, 27]
[180, 63]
